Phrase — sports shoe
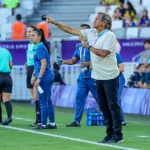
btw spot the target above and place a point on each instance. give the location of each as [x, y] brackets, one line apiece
[115, 139]
[49, 126]
[40, 126]
[73, 124]
[106, 139]
[124, 124]
[6, 122]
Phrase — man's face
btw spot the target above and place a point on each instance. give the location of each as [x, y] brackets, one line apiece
[97, 21]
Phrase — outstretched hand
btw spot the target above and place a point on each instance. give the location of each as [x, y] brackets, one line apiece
[50, 20]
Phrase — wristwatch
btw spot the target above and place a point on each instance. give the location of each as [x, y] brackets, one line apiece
[40, 78]
[89, 47]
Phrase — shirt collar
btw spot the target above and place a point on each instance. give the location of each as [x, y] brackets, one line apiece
[103, 32]
[40, 43]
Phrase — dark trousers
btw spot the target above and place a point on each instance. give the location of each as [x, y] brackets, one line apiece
[107, 92]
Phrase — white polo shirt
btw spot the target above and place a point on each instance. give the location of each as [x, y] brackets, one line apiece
[102, 68]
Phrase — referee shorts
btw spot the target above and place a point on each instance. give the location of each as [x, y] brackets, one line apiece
[5, 83]
[30, 70]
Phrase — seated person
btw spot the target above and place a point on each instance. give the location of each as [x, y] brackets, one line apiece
[57, 75]
[135, 78]
[145, 60]
[129, 22]
[144, 20]
[117, 14]
[130, 11]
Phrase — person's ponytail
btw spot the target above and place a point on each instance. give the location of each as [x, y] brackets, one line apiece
[44, 40]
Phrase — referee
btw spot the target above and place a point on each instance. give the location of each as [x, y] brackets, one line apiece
[102, 44]
[5, 84]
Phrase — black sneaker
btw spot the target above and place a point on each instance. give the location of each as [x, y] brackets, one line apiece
[49, 126]
[73, 124]
[116, 140]
[124, 124]
[40, 126]
[106, 139]
[6, 122]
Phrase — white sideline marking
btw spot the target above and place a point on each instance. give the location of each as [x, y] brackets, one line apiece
[143, 136]
[68, 138]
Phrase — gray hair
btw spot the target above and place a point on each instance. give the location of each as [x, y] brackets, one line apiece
[106, 19]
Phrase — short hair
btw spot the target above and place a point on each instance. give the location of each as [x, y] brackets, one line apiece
[43, 17]
[85, 25]
[147, 41]
[18, 17]
[106, 19]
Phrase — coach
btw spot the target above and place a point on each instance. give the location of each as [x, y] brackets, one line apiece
[102, 44]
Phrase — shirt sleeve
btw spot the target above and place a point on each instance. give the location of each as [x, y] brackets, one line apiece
[110, 42]
[41, 52]
[76, 54]
[84, 33]
[119, 59]
[10, 57]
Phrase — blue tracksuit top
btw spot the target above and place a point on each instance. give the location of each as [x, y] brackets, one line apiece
[40, 52]
[80, 53]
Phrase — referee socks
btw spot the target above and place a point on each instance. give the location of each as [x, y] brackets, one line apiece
[8, 107]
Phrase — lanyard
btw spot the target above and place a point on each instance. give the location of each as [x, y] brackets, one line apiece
[82, 50]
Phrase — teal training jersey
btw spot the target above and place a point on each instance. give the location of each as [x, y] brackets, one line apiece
[5, 58]
[30, 53]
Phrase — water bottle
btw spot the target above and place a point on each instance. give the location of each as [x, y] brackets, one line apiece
[59, 60]
[40, 90]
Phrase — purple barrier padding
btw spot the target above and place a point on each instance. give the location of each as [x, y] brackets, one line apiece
[65, 96]
[129, 48]
[17, 49]
[134, 101]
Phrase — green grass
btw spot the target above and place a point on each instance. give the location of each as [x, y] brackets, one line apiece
[19, 140]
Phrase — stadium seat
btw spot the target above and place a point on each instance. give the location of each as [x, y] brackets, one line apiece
[132, 32]
[7, 28]
[5, 12]
[21, 11]
[100, 9]
[135, 2]
[120, 33]
[144, 32]
[145, 2]
[116, 24]
[139, 9]
[27, 4]
[3, 20]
